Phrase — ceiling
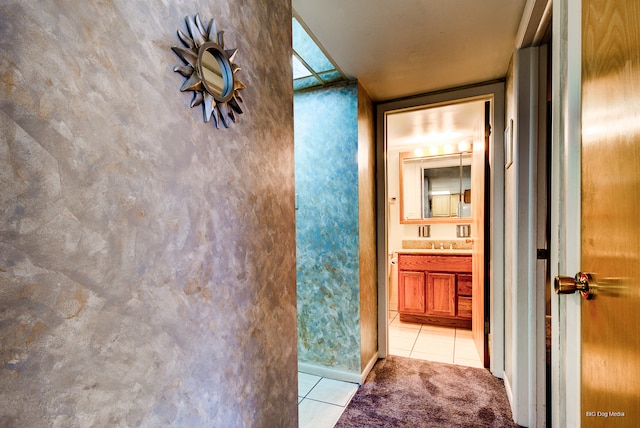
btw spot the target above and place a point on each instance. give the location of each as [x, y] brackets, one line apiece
[402, 48]
[437, 126]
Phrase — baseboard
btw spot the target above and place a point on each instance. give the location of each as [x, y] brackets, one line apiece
[507, 387]
[343, 375]
[368, 368]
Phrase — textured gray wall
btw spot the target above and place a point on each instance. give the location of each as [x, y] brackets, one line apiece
[147, 259]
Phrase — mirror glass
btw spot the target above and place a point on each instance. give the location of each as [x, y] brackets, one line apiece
[434, 187]
[215, 72]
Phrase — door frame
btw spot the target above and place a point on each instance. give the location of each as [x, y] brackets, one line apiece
[494, 261]
[565, 208]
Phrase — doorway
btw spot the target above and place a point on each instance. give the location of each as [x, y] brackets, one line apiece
[435, 179]
[393, 233]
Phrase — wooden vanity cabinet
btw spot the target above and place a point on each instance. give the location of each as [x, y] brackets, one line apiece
[435, 289]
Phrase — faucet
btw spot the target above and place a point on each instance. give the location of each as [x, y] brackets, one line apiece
[442, 246]
[433, 246]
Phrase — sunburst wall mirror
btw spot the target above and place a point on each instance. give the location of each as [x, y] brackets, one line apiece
[210, 71]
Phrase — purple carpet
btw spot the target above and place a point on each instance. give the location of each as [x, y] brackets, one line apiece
[404, 392]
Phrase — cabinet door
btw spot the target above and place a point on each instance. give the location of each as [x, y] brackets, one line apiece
[440, 205]
[441, 294]
[453, 205]
[411, 191]
[411, 292]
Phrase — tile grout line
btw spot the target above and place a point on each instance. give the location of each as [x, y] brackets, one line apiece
[455, 340]
[415, 340]
[326, 402]
[310, 389]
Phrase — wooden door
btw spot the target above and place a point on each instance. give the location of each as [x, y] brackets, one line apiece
[479, 208]
[441, 294]
[411, 292]
[610, 241]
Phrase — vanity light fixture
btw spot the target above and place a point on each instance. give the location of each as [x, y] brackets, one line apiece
[210, 71]
[464, 146]
[434, 149]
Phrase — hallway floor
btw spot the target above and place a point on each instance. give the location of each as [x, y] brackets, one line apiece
[321, 401]
[432, 343]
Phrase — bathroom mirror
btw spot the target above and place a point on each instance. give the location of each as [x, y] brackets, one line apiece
[435, 189]
[210, 71]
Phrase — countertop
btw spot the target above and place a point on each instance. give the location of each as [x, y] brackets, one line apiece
[423, 246]
[445, 252]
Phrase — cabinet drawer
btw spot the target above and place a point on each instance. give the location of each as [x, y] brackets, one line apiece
[464, 307]
[465, 285]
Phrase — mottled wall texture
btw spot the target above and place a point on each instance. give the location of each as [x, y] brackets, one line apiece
[367, 229]
[147, 259]
[335, 224]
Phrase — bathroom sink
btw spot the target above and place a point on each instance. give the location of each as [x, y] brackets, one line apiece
[435, 251]
[462, 246]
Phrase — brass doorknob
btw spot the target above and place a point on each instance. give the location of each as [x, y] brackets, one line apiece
[569, 285]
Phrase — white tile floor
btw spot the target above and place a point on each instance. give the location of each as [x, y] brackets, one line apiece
[321, 401]
[432, 343]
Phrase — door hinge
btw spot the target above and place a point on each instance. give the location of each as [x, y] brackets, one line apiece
[542, 254]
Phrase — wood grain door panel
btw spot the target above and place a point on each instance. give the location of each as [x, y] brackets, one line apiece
[479, 169]
[610, 241]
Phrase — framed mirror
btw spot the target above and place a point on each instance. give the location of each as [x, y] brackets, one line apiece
[210, 71]
[215, 70]
[435, 189]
